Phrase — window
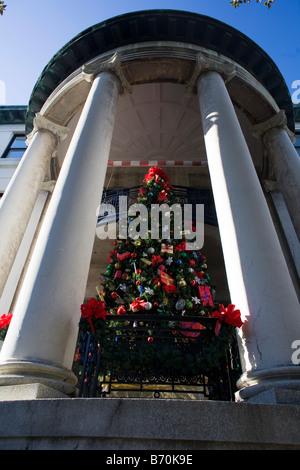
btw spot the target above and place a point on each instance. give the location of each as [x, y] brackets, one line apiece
[297, 143]
[16, 147]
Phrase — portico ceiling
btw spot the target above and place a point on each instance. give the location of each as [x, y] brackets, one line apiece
[158, 121]
[162, 122]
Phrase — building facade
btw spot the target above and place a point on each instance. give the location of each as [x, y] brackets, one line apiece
[155, 88]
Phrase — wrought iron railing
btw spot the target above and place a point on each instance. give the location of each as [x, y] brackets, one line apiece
[160, 355]
[185, 195]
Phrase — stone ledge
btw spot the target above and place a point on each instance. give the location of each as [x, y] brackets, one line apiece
[146, 424]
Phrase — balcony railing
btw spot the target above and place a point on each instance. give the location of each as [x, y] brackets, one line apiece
[159, 355]
[184, 194]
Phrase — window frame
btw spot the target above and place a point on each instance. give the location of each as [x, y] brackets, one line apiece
[10, 144]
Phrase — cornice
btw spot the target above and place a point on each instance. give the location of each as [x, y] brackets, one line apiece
[160, 25]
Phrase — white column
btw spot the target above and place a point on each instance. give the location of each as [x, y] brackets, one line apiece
[42, 336]
[285, 162]
[258, 278]
[20, 195]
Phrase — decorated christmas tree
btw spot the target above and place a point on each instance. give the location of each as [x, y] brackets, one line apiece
[162, 276]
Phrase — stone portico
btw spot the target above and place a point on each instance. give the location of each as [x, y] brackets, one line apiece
[120, 101]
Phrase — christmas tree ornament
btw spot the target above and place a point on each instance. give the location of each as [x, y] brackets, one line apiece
[205, 295]
[158, 277]
[166, 248]
[121, 310]
[180, 304]
[123, 256]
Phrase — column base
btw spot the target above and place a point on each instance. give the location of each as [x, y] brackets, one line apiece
[278, 385]
[32, 391]
[37, 380]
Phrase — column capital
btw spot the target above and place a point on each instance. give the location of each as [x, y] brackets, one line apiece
[204, 64]
[279, 120]
[42, 123]
[112, 65]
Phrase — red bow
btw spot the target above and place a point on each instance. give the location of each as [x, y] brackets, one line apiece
[93, 308]
[229, 315]
[138, 304]
[5, 320]
[181, 246]
[156, 172]
[156, 259]
[170, 288]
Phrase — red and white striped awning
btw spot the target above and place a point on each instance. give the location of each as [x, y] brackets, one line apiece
[159, 163]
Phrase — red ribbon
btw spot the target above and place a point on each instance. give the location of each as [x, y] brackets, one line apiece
[228, 315]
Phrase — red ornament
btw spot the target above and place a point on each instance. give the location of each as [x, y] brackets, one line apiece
[193, 329]
[114, 295]
[121, 310]
[122, 256]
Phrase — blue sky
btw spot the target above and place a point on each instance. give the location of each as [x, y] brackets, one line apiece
[32, 32]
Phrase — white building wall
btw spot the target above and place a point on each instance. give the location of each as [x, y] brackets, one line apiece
[8, 166]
